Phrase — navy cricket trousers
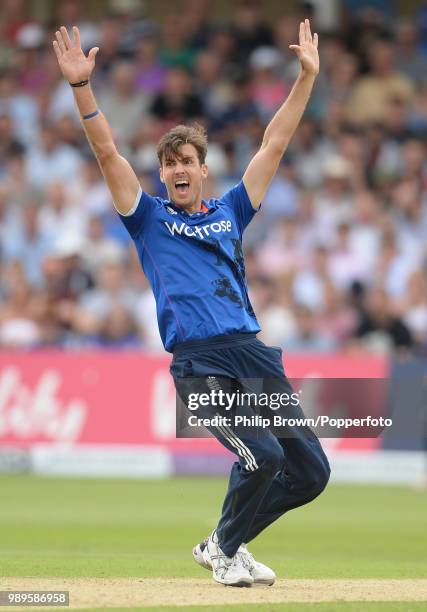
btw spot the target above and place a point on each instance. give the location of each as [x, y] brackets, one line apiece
[277, 469]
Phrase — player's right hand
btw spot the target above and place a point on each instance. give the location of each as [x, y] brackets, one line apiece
[74, 64]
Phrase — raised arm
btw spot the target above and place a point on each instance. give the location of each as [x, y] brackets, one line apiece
[77, 69]
[279, 131]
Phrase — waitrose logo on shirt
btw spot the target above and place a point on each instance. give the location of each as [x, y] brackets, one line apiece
[201, 232]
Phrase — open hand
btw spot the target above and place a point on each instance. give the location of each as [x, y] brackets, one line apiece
[306, 51]
[74, 64]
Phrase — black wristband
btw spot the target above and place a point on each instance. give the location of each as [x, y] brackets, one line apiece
[80, 83]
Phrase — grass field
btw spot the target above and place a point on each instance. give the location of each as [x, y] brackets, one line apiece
[131, 534]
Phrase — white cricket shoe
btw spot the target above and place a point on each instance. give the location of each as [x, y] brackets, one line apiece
[259, 572]
[226, 570]
[198, 555]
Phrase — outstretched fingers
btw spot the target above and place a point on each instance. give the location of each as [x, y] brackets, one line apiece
[301, 33]
[57, 50]
[60, 42]
[63, 41]
[92, 53]
[305, 36]
[307, 29]
[76, 35]
[66, 38]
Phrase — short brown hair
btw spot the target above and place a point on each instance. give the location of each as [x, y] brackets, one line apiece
[171, 142]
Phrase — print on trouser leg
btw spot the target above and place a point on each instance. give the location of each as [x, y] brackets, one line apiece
[247, 489]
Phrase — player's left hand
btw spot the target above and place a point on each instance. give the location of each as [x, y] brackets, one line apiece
[306, 51]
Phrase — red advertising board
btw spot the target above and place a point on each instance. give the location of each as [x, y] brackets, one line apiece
[124, 398]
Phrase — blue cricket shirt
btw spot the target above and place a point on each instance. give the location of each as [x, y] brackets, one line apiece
[194, 264]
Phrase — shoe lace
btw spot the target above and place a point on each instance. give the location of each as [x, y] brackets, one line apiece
[220, 560]
[223, 564]
[246, 557]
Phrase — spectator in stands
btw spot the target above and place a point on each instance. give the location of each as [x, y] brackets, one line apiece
[309, 151]
[50, 159]
[19, 328]
[344, 268]
[223, 43]
[9, 217]
[178, 103]
[16, 184]
[414, 307]
[250, 30]
[88, 191]
[98, 247]
[110, 33]
[281, 252]
[365, 232]
[216, 92]
[96, 304]
[417, 113]
[393, 268]
[409, 60]
[283, 32]
[307, 337]
[120, 101]
[117, 330]
[373, 93]
[9, 145]
[58, 216]
[198, 22]
[334, 200]
[146, 316]
[175, 50]
[309, 281]
[267, 88]
[281, 199]
[72, 278]
[27, 243]
[273, 302]
[337, 319]
[31, 75]
[20, 107]
[379, 328]
[150, 73]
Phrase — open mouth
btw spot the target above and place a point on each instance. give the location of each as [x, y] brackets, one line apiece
[182, 187]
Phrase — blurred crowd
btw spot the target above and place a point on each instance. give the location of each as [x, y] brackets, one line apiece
[336, 260]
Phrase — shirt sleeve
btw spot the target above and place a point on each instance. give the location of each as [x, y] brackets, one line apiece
[139, 216]
[238, 200]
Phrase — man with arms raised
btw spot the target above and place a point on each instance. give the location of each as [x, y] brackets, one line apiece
[190, 250]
